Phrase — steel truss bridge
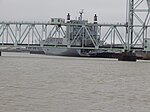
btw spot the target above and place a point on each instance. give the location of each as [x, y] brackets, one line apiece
[127, 36]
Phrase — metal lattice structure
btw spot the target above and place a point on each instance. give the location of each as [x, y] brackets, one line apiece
[21, 33]
[138, 21]
[129, 35]
[28, 34]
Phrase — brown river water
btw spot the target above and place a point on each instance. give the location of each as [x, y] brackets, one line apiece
[39, 83]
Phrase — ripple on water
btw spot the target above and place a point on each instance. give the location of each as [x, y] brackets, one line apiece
[38, 83]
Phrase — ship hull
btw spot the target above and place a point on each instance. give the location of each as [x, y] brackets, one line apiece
[35, 50]
[61, 51]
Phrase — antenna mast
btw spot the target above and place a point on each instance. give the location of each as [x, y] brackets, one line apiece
[81, 14]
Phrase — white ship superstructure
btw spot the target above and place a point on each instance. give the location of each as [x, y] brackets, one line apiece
[76, 36]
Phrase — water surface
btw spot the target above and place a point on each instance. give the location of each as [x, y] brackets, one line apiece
[38, 83]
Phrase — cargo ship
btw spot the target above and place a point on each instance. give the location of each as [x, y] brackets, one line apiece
[60, 46]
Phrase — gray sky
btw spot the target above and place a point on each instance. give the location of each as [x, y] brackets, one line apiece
[42, 10]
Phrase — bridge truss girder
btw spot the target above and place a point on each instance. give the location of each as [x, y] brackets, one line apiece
[35, 33]
[108, 35]
[27, 33]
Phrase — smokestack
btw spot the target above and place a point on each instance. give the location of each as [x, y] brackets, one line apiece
[95, 19]
[68, 17]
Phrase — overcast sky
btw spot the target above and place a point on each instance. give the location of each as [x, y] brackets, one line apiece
[42, 10]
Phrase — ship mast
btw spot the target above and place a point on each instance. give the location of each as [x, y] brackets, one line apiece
[81, 14]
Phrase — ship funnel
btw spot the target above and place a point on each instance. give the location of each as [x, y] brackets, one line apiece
[68, 17]
[95, 19]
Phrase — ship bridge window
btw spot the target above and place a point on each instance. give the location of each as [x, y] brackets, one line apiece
[52, 20]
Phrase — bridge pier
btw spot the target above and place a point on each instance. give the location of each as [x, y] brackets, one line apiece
[127, 56]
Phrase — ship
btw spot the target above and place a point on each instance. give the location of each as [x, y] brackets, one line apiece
[58, 46]
[62, 47]
[35, 50]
